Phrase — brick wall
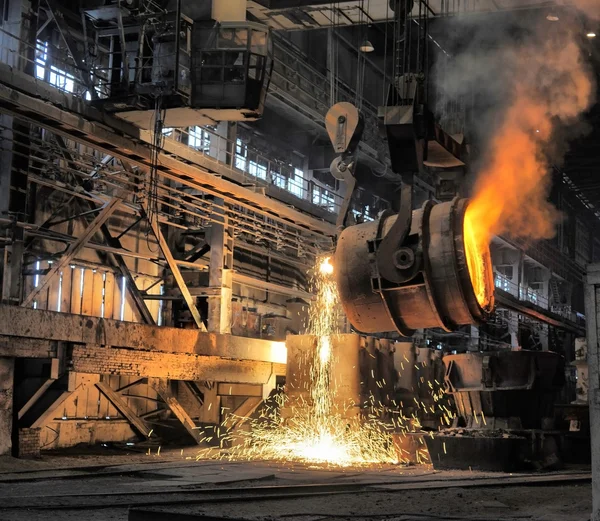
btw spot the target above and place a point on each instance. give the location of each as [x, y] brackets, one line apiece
[29, 443]
[96, 359]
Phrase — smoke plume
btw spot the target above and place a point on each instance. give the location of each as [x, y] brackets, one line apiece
[530, 83]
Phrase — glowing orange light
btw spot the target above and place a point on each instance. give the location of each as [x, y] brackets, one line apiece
[476, 248]
[326, 268]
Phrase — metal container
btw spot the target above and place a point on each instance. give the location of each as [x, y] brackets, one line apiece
[505, 389]
[440, 294]
[361, 372]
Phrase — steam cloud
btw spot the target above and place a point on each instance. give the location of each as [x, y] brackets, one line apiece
[530, 82]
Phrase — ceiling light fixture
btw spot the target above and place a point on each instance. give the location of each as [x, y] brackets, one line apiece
[552, 17]
[366, 46]
[591, 34]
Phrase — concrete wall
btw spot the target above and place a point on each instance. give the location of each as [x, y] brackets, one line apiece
[7, 366]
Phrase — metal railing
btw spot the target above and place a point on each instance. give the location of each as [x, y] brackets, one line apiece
[524, 293]
[64, 166]
[55, 69]
[255, 168]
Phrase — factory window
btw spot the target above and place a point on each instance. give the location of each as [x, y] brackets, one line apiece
[199, 138]
[364, 215]
[323, 198]
[241, 152]
[502, 282]
[279, 180]
[296, 183]
[41, 55]
[257, 170]
[61, 80]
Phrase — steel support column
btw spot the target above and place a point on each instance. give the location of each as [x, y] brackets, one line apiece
[592, 319]
[220, 273]
[166, 251]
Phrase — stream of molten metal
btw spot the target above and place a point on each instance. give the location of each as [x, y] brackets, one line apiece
[319, 432]
[319, 429]
[476, 247]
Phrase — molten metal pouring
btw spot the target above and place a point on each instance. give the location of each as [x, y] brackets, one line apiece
[475, 249]
[446, 265]
[319, 431]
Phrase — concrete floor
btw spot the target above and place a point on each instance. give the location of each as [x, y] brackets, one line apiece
[96, 487]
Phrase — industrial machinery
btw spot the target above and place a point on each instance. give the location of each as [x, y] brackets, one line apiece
[394, 278]
[424, 268]
[344, 125]
[194, 64]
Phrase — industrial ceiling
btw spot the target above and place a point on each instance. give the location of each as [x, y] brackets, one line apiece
[314, 14]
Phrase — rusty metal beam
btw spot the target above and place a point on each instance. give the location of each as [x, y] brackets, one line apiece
[508, 301]
[279, 289]
[73, 249]
[121, 405]
[166, 251]
[113, 242]
[22, 322]
[161, 386]
[95, 359]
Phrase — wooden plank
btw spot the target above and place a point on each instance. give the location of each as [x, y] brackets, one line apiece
[128, 312]
[109, 288]
[226, 389]
[49, 412]
[73, 249]
[69, 407]
[65, 301]
[139, 405]
[36, 396]
[241, 414]
[98, 293]
[87, 298]
[53, 292]
[77, 277]
[248, 406]
[121, 405]
[161, 386]
[111, 381]
[117, 295]
[94, 401]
